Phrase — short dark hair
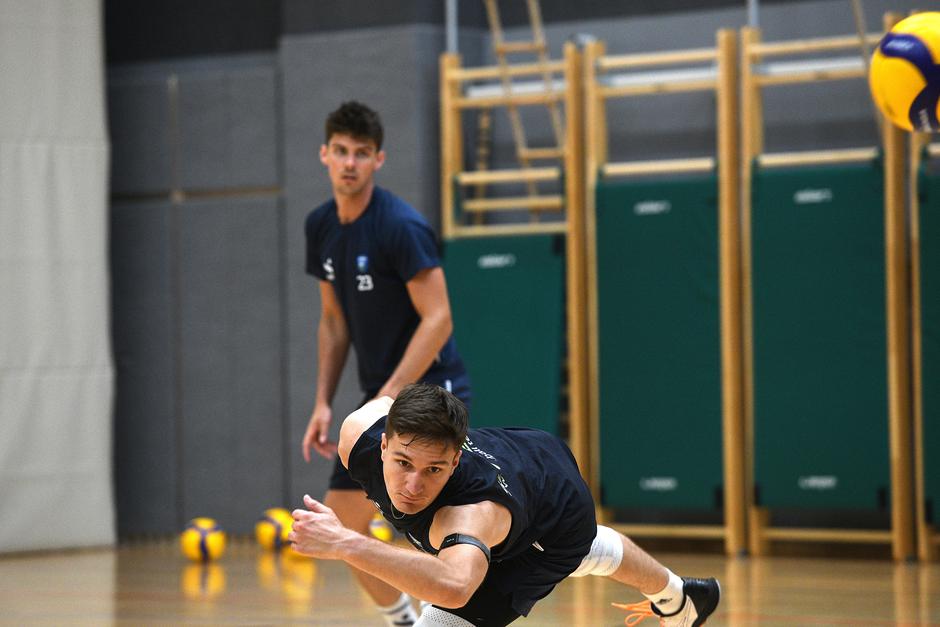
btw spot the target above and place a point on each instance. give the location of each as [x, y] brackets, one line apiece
[356, 120]
[430, 414]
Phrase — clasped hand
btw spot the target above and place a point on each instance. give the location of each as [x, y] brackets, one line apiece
[317, 532]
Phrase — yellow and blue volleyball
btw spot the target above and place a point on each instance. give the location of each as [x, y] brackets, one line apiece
[380, 529]
[904, 77]
[203, 540]
[272, 528]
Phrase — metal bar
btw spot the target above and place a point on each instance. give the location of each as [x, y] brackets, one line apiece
[808, 77]
[657, 88]
[450, 21]
[513, 88]
[803, 46]
[492, 71]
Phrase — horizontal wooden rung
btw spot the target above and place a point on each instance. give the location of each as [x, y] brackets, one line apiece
[670, 531]
[658, 88]
[509, 176]
[663, 166]
[518, 202]
[519, 46]
[828, 535]
[816, 157]
[802, 46]
[613, 62]
[542, 153]
[496, 71]
[488, 230]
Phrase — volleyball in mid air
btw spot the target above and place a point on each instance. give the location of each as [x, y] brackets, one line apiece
[904, 77]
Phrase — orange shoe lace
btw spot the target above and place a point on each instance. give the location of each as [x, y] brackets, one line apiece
[641, 611]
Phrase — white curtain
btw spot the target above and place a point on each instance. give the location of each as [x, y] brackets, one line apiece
[56, 373]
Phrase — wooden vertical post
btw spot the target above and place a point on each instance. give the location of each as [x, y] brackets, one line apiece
[595, 154]
[451, 142]
[926, 549]
[896, 288]
[576, 294]
[730, 264]
[751, 145]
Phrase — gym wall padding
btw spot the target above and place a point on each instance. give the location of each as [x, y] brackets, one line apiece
[929, 223]
[507, 299]
[659, 343]
[820, 363]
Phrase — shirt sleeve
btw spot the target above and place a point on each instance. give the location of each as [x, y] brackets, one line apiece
[414, 248]
[312, 233]
[366, 454]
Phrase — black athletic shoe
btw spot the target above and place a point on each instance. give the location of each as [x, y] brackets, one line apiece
[701, 599]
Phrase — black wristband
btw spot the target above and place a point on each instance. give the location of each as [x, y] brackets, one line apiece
[459, 538]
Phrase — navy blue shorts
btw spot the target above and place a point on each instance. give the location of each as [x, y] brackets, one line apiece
[340, 479]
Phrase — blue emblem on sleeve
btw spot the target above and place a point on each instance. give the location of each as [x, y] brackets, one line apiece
[362, 263]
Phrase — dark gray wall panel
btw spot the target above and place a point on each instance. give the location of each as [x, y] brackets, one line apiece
[138, 120]
[230, 360]
[228, 128]
[145, 447]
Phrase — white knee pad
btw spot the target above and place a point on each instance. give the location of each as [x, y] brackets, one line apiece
[436, 617]
[605, 555]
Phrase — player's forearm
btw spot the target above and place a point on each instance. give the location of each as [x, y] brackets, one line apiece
[421, 575]
[425, 344]
[332, 349]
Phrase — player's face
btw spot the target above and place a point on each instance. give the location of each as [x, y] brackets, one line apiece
[416, 472]
[351, 163]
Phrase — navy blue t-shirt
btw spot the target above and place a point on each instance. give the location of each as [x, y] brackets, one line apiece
[368, 262]
[530, 472]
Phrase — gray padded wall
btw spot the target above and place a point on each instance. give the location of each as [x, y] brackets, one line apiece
[197, 298]
[145, 439]
[230, 340]
[394, 70]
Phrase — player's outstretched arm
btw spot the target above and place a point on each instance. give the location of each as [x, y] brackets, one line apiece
[448, 579]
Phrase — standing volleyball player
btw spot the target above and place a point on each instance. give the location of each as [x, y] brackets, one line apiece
[500, 516]
[383, 291]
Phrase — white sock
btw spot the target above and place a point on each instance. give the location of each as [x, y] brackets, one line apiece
[669, 599]
[400, 613]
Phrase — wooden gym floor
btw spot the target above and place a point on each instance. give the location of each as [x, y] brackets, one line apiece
[151, 584]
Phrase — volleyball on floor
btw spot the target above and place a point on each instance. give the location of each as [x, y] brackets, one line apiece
[203, 540]
[272, 529]
[380, 529]
[905, 73]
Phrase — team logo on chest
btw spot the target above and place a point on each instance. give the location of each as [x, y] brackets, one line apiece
[363, 278]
